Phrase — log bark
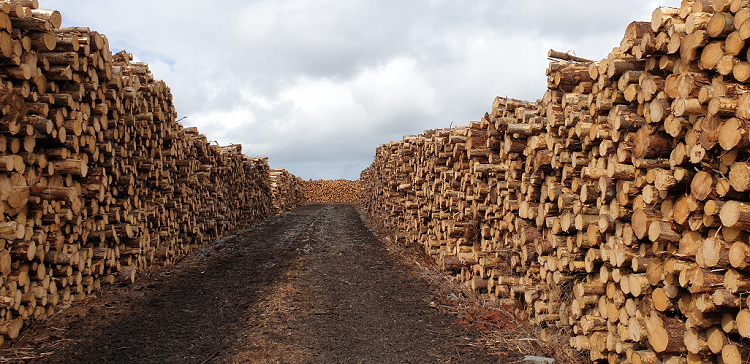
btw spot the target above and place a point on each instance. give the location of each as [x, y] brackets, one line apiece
[665, 334]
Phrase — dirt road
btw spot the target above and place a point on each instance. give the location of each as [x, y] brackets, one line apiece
[311, 286]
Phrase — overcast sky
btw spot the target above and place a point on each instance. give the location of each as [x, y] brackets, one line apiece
[317, 85]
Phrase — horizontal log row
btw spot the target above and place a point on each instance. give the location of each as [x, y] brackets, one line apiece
[98, 179]
[287, 191]
[614, 210]
[332, 191]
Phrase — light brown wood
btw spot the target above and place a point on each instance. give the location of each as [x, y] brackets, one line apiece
[696, 341]
[663, 232]
[12, 328]
[739, 255]
[566, 57]
[650, 143]
[712, 53]
[661, 15]
[665, 334]
[661, 301]
[332, 191]
[734, 43]
[715, 253]
[736, 282]
[732, 353]
[721, 24]
[741, 71]
[702, 185]
[625, 182]
[100, 180]
[743, 323]
[726, 64]
[735, 213]
[697, 21]
[642, 218]
[734, 134]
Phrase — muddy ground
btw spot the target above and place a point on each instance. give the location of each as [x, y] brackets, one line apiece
[311, 286]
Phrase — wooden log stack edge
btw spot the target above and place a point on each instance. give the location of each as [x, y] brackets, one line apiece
[616, 208]
[98, 180]
[287, 191]
[333, 191]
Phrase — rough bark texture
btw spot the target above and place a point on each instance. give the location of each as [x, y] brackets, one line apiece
[99, 180]
[643, 162]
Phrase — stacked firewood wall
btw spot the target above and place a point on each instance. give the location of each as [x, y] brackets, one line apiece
[332, 191]
[615, 209]
[287, 191]
[99, 180]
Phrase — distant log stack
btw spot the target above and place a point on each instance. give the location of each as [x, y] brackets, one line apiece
[99, 180]
[332, 191]
[616, 208]
[287, 191]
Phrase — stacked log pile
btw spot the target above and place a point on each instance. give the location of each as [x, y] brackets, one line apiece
[332, 191]
[99, 180]
[616, 208]
[287, 191]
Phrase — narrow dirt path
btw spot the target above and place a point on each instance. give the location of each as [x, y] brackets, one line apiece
[311, 286]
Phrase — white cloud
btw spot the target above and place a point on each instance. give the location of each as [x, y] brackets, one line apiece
[317, 85]
[320, 99]
[394, 91]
